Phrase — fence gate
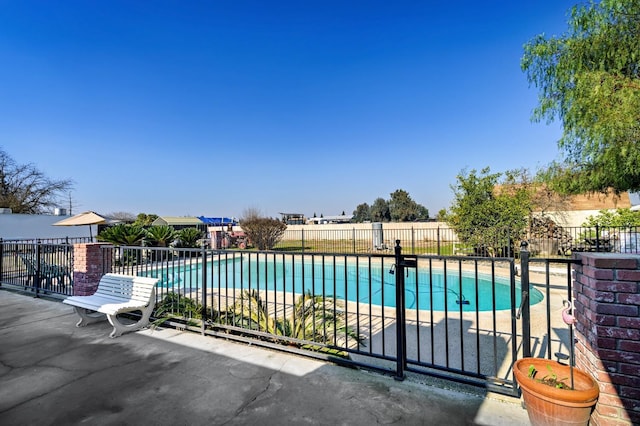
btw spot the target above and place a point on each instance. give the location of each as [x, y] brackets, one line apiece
[457, 319]
[476, 316]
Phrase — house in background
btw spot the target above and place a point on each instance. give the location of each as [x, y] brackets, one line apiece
[180, 222]
[577, 208]
[571, 210]
[293, 218]
[344, 218]
[15, 226]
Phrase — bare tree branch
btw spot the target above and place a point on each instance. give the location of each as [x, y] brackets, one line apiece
[25, 189]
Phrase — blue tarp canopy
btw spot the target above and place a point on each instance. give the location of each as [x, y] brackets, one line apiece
[218, 221]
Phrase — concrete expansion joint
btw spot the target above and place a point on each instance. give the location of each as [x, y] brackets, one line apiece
[257, 396]
[23, 323]
[44, 364]
[4, 365]
[45, 393]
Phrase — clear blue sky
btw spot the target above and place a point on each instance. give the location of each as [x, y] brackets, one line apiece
[188, 108]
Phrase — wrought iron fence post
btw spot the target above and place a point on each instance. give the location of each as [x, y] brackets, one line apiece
[400, 321]
[438, 239]
[204, 288]
[597, 238]
[1, 261]
[36, 278]
[525, 311]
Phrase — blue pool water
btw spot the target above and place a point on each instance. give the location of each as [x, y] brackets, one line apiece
[354, 283]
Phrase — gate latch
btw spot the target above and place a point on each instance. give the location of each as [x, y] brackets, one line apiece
[409, 262]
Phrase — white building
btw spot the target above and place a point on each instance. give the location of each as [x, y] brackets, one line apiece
[344, 218]
[31, 226]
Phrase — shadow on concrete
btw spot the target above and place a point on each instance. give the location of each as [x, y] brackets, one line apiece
[452, 348]
[55, 373]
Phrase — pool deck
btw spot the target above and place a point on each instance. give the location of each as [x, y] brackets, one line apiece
[54, 373]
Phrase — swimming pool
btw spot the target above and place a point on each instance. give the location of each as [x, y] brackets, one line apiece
[365, 283]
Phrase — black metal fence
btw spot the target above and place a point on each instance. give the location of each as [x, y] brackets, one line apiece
[443, 241]
[464, 318]
[41, 267]
[456, 317]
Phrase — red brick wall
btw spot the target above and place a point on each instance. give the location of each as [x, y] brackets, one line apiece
[607, 306]
[88, 267]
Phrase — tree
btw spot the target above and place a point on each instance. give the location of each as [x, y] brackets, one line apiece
[251, 213]
[422, 212]
[264, 233]
[486, 218]
[380, 211]
[589, 79]
[403, 209]
[25, 189]
[362, 213]
[400, 207]
[544, 199]
[145, 219]
[122, 216]
[620, 218]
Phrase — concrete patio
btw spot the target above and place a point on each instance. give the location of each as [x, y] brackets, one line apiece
[52, 373]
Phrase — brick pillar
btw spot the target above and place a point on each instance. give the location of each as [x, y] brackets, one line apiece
[88, 267]
[607, 306]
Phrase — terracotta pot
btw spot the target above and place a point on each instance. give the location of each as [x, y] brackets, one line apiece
[548, 405]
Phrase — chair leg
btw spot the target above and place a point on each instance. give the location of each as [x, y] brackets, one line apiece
[88, 317]
[119, 328]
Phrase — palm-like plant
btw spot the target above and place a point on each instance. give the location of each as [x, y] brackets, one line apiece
[251, 312]
[320, 320]
[188, 237]
[313, 318]
[160, 235]
[123, 234]
[176, 306]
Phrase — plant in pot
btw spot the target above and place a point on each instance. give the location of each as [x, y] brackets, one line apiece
[555, 393]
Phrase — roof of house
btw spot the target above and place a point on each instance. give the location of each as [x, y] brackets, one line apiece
[600, 201]
[340, 218]
[218, 221]
[174, 220]
[588, 201]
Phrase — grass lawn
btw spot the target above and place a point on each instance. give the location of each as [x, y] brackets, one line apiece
[361, 246]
